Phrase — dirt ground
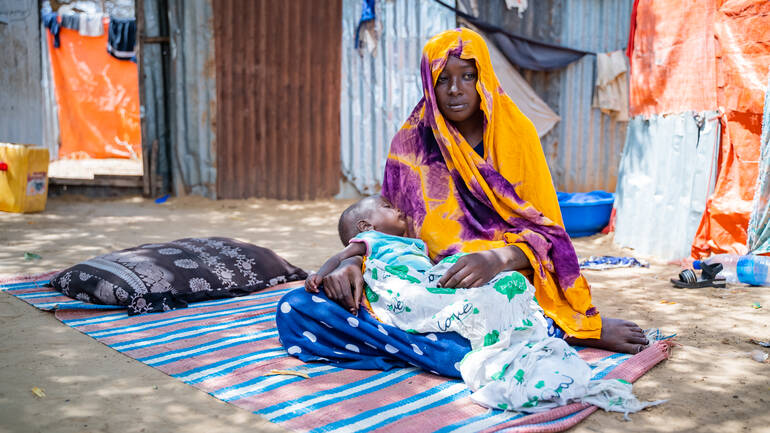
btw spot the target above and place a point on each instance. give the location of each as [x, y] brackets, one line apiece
[710, 381]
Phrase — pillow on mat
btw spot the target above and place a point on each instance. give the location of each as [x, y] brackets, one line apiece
[160, 277]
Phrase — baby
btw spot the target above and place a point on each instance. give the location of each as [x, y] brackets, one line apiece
[402, 283]
[513, 363]
[372, 227]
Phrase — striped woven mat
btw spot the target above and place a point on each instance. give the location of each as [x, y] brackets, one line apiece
[229, 348]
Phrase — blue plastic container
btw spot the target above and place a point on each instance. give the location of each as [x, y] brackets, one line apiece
[585, 213]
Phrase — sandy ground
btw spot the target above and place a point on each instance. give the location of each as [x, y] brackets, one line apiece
[710, 381]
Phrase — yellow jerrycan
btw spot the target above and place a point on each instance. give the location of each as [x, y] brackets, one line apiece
[23, 178]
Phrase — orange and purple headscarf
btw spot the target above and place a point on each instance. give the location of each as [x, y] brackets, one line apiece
[463, 202]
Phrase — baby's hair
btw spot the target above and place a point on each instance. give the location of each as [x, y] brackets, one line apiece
[348, 225]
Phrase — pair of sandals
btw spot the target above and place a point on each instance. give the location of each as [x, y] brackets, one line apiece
[688, 279]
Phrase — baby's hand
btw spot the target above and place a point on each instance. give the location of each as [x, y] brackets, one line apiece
[312, 282]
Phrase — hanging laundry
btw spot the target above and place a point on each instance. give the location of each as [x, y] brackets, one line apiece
[367, 16]
[51, 22]
[91, 25]
[70, 21]
[521, 51]
[121, 41]
[611, 92]
[520, 5]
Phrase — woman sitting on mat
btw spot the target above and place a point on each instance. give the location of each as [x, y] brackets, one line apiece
[468, 171]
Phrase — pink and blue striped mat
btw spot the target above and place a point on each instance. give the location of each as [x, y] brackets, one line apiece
[229, 347]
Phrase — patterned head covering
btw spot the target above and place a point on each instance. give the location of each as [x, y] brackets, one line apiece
[462, 202]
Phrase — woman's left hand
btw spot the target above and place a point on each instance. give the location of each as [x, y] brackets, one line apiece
[473, 270]
[476, 269]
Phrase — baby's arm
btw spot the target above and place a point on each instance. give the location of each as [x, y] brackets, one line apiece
[314, 280]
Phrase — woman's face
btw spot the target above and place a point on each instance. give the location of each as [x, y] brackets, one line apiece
[455, 90]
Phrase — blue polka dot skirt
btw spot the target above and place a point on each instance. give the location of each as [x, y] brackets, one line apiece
[314, 328]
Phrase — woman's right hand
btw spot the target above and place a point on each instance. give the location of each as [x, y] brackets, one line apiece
[345, 284]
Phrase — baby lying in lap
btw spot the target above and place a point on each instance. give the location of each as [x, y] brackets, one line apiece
[513, 363]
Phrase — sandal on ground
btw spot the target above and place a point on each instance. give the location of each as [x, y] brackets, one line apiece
[688, 279]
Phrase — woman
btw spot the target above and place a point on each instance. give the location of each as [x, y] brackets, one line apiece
[468, 170]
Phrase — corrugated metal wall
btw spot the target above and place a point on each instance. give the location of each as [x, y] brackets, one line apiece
[49, 109]
[380, 88]
[21, 95]
[667, 173]
[584, 149]
[278, 92]
[152, 25]
[193, 102]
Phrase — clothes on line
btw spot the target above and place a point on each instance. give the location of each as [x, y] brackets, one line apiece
[367, 15]
[70, 21]
[91, 25]
[51, 22]
[121, 41]
[122, 31]
[520, 5]
[611, 92]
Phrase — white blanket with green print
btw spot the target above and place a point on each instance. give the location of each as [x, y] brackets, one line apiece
[513, 363]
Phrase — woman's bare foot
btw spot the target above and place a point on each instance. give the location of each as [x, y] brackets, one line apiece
[617, 336]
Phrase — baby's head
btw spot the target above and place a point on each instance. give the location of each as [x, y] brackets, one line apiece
[371, 213]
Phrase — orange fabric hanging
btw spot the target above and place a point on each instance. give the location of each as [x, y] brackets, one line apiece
[742, 29]
[673, 67]
[713, 54]
[97, 97]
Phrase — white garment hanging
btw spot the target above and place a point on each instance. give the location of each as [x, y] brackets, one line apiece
[91, 25]
[611, 92]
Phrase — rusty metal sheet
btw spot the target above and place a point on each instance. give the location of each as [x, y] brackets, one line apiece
[278, 98]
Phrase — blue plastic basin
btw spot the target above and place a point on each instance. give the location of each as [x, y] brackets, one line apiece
[585, 213]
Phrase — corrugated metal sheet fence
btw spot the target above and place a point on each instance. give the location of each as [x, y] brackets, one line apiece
[152, 26]
[667, 173]
[177, 86]
[193, 102]
[21, 97]
[278, 98]
[584, 149]
[381, 87]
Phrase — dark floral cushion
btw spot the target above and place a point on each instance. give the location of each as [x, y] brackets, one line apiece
[160, 277]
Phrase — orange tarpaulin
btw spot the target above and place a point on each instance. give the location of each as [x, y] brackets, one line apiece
[673, 63]
[713, 54]
[97, 97]
[742, 30]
